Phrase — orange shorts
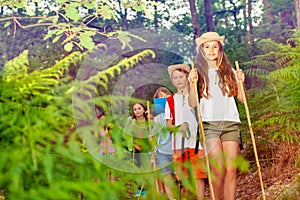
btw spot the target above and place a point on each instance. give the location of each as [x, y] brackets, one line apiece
[182, 162]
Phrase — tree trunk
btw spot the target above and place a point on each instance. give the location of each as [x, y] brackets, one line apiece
[297, 10]
[251, 37]
[123, 15]
[234, 13]
[195, 19]
[271, 18]
[225, 15]
[245, 15]
[155, 15]
[210, 26]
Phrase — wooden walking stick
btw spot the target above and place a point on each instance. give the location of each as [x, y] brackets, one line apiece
[252, 135]
[153, 150]
[201, 129]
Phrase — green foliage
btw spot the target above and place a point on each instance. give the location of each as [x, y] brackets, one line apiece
[241, 163]
[16, 71]
[41, 155]
[275, 106]
[35, 119]
[75, 23]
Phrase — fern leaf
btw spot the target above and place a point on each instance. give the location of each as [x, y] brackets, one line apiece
[289, 73]
[17, 68]
[39, 81]
[101, 78]
[287, 59]
[261, 73]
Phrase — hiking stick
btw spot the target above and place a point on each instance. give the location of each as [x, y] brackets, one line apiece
[201, 129]
[251, 133]
[133, 161]
[153, 150]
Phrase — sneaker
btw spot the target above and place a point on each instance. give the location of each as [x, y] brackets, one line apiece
[144, 193]
[138, 193]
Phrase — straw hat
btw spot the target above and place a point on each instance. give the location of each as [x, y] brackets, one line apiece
[209, 36]
[185, 67]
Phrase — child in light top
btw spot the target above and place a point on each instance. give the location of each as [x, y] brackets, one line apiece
[164, 151]
[182, 121]
[218, 83]
[106, 145]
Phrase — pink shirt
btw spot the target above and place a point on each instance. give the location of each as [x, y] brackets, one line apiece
[106, 145]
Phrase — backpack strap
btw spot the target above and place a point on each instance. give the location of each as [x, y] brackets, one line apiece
[171, 103]
[197, 141]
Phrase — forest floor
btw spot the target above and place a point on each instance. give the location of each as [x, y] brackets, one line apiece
[278, 163]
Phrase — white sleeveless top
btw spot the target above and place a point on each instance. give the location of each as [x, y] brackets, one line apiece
[218, 107]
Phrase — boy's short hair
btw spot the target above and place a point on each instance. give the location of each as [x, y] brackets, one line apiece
[183, 67]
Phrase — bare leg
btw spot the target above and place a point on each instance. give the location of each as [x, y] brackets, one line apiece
[217, 166]
[231, 150]
[171, 187]
[200, 188]
[161, 186]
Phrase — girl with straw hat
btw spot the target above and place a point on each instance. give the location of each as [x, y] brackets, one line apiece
[218, 84]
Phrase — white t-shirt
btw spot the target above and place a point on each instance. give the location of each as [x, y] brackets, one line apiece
[183, 113]
[218, 107]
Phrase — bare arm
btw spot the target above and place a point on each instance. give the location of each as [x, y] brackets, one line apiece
[192, 96]
[172, 128]
[240, 77]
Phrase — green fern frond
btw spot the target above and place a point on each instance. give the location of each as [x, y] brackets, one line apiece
[62, 66]
[291, 40]
[17, 68]
[103, 84]
[260, 63]
[38, 82]
[291, 138]
[261, 73]
[128, 63]
[51, 75]
[50, 81]
[287, 59]
[287, 74]
[101, 78]
[281, 119]
[88, 90]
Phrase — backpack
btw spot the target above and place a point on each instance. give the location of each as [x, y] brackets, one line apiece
[171, 103]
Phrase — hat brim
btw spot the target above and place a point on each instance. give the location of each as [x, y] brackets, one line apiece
[202, 40]
[172, 68]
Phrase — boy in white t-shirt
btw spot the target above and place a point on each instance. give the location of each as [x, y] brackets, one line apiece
[181, 120]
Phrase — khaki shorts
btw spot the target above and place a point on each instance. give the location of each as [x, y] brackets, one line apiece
[223, 130]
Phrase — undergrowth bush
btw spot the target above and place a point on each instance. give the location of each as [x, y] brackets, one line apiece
[41, 155]
[275, 103]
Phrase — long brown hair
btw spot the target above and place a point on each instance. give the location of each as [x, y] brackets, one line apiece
[227, 80]
[144, 113]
